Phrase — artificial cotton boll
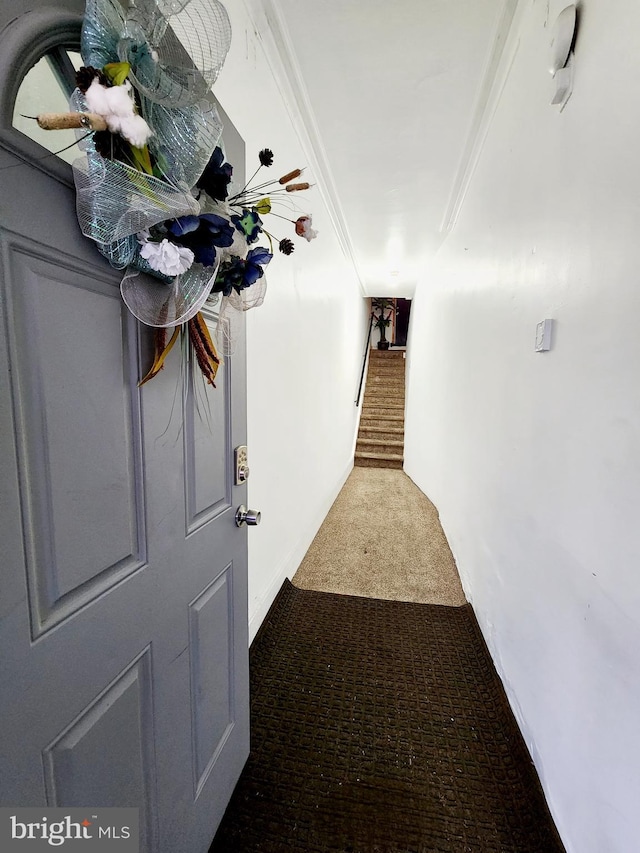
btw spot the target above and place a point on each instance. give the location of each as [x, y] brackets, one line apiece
[119, 100]
[133, 128]
[96, 98]
[137, 131]
[116, 106]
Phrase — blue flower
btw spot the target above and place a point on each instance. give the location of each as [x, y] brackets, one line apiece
[238, 273]
[259, 255]
[216, 176]
[202, 234]
[249, 224]
[184, 225]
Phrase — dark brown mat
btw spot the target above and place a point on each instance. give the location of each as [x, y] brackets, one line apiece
[380, 727]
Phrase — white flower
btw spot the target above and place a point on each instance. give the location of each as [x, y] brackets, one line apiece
[166, 257]
[304, 229]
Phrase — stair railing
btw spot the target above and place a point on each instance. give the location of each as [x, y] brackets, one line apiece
[364, 359]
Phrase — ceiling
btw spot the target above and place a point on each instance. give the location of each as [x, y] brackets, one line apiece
[392, 92]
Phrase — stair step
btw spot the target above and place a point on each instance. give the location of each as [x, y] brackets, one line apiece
[393, 448]
[374, 425]
[394, 442]
[376, 431]
[392, 384]
[382, 405]
[391, 366]
[378, 460]
[383, 394]
[389, 441]
[383, 369]
[395, 405]
[365, 446]
[372, 454]
[382, 417]
[383, 387]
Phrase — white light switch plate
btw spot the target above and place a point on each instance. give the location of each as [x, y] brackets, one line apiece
[543, 335]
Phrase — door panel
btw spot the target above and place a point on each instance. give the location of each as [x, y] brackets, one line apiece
[123, 586]
[207, 482]
[119, 723]
[81, 467]
[212, 673]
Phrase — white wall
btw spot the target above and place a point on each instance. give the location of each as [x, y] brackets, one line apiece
[305, 343]
[533, 460]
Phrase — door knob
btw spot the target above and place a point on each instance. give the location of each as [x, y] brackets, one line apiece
[247, 516]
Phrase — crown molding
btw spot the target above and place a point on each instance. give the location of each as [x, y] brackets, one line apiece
[496, 73]
[271, 31]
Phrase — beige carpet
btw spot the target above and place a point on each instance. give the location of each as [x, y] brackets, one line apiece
[382, 539]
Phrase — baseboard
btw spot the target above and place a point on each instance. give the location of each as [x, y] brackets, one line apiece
[291, 563]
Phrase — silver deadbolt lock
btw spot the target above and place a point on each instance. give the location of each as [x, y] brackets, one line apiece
[241, 467]
[247, 516]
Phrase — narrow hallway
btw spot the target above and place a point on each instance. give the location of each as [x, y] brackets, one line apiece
[379, 723]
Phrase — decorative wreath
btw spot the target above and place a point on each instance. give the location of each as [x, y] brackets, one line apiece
[153, 188]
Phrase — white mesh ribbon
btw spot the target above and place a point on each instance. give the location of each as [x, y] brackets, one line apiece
[175, 49]
[102, 29]
[231, 311]
[183, 138]
[227, 328]
[250, 297]
[160, 304]
[114, 200]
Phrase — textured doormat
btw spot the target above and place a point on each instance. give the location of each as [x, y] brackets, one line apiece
[380, 727]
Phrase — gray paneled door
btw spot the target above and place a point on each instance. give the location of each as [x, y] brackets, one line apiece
[123, 600]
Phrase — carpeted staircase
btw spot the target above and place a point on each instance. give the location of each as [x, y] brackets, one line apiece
[381, 436]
